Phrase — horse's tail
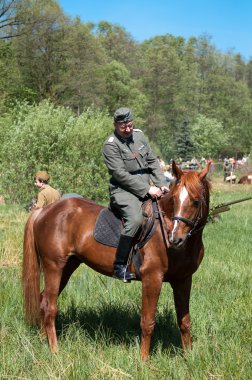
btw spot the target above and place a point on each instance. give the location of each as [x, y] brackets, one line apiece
[31, 273]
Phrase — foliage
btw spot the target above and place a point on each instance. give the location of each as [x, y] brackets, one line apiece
[122, 89]
[209, 137]
[45, 137]
[81, 82]
[46, 55]
[118, 43]
[166, 142]
[39, 48]
[184, 142]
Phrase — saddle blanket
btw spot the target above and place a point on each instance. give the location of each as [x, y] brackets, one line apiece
[108, 228]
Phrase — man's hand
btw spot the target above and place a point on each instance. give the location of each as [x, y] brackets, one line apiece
[155, 192]
[164, 189]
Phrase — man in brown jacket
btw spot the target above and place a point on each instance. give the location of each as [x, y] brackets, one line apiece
[47, 194]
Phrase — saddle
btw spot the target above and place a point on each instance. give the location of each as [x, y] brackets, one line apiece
[109, 225]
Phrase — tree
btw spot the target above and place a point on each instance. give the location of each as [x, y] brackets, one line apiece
[210, 138]
[118, 44]
[170, 83]
[184, 143]
[249, 76]
[9, 19]
[81, 82]
[240, 68]
[39, 46]
[121, 89]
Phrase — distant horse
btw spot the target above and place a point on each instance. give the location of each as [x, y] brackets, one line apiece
[246, 180]
[60, 237]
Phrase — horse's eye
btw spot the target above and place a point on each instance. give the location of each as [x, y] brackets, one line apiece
[196, 203]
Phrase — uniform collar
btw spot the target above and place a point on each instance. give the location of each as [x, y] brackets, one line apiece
[123, 140]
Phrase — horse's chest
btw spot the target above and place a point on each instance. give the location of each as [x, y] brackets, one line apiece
[181, 265]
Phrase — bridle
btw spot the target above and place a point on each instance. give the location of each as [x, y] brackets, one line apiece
[192, 223]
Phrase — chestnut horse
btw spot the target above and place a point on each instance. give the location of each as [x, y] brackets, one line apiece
[59, 238]
[246, 180]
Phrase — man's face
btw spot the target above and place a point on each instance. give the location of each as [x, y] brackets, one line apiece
[38, 183]
[124, 129]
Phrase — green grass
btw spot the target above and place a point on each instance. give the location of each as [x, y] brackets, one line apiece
[98, 321]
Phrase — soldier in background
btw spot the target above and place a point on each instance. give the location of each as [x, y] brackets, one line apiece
[47, 194]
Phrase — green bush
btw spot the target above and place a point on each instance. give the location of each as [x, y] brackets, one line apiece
[46, 137]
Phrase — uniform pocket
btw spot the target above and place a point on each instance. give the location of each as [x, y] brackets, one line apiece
[129, 161]
[143, 152]
[127, 155]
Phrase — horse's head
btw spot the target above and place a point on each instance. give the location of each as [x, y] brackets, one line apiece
[188, 204]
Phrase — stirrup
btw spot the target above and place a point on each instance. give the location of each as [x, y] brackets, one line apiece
[121, 273]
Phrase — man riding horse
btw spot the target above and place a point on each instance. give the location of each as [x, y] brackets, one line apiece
[135, 173]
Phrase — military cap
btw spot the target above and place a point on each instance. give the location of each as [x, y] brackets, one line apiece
[42, 175]
[123, 115]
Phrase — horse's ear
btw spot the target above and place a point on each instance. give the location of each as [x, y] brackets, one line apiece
[204, 172]
[176, 171]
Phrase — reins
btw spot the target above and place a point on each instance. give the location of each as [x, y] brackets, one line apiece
[164, 228]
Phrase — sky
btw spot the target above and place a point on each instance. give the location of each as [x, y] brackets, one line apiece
[227, 22]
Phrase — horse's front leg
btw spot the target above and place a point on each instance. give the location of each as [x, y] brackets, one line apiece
[181, 293]
[151, 287]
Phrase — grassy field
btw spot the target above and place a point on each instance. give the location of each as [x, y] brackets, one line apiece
[98, 321]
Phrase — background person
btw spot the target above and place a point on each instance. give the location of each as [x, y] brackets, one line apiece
[227, 170]
[161, 163]
[168, 174]
[135, 173]
[47, 194]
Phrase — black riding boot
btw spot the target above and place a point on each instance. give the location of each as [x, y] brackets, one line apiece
[120, 263]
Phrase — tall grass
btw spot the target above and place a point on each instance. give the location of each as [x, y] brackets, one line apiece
[98, 321]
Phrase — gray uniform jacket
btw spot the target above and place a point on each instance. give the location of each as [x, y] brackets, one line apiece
[131, 164]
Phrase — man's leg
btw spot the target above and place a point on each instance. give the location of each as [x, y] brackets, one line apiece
[121, 258]
[131, 210]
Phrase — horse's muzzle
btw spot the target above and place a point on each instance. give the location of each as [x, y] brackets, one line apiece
[175, 241]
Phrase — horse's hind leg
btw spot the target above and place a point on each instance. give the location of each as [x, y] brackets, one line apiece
[181, 293]
[151, 287]
[55, 281]
[48, 305]
[71, 265]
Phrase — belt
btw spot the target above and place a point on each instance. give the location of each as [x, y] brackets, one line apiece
[140, 171]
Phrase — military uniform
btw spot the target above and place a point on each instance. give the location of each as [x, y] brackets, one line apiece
[46, 196]
[133, 169]
[134, 172]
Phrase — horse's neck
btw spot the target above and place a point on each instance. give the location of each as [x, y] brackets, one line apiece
[166, 205]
